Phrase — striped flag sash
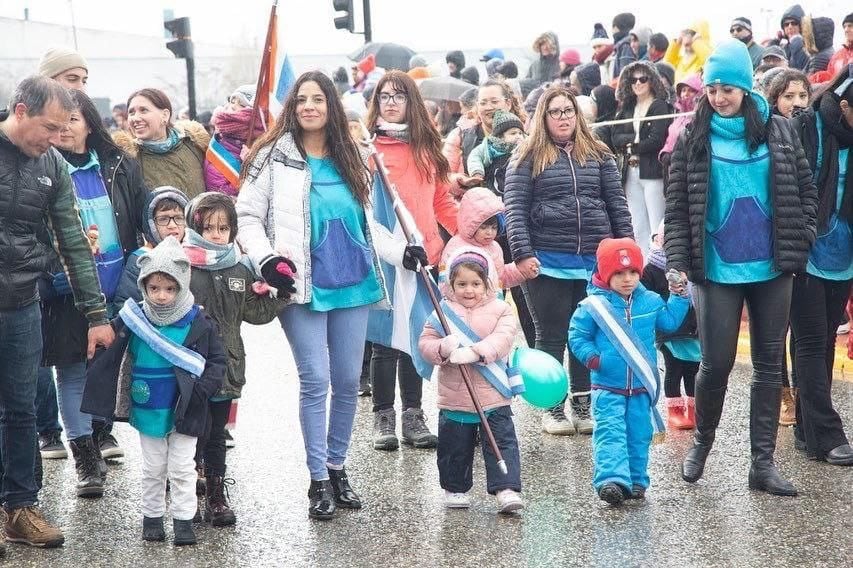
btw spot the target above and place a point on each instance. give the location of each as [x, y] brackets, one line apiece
[224, 161]
[178, 355]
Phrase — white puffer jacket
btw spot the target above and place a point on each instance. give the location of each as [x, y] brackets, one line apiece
[274, 220]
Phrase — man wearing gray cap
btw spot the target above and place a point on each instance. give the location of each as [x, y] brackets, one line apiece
[66, 66]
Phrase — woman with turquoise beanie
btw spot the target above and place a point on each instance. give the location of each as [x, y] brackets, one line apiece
[740, 221]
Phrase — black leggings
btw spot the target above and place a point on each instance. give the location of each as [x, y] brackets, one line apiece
[524, 317]
[817, 309]
[385, 367]
[552, 301]
[210, 449]
[718, 311]
[676, 370]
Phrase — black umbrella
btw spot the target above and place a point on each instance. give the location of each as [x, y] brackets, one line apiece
[388, 55]
[443, 88]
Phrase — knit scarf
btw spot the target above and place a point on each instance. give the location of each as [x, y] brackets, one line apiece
[397, 130]
[206, 255]
[167, 315]
[235, 124]
[163, 146]
[498, 147]
[836, 135]
[734, 127]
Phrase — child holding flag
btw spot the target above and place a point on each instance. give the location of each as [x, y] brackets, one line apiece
[613, 333]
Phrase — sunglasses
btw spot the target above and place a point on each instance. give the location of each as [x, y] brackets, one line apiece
[736, 29]
[644, 79]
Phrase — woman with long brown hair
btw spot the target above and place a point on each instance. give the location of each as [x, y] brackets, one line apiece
[303, 222]
[411, 147]
[563, 196]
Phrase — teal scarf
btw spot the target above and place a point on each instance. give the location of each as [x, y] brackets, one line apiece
[734, 127]
[163, 146]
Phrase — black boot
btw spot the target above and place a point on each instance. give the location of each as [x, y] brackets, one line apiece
[217, 512]
[89, 482]
[764, 404]
[344, 494]
[321, 500]
[152, 529]
[184, 533]
[709, 408]
[102, 463]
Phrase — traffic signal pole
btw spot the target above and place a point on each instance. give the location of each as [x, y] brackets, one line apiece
[191, 86]
[368, 32]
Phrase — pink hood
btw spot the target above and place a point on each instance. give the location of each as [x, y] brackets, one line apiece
[694, 81]
[477, 205]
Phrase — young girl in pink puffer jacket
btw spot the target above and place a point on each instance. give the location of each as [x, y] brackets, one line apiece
[483, 331]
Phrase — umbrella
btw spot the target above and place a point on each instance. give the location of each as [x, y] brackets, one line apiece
[388, 55]
[443, 88]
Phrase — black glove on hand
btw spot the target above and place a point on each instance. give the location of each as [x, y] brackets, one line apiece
[278, 272]
[414, 256]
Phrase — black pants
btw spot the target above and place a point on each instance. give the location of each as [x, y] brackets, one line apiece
[455, 453]
[210, 449]
[386, 367]
[817, 309]
[524, 316]
[552, 301]
[718, 311]
[676, 370]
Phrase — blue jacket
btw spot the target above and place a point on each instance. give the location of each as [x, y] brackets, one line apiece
[645, 311]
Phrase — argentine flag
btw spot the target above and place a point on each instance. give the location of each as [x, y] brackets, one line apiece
[400, 327]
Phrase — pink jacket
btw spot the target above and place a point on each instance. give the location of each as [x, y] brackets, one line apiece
[494, 322]
[695, 82]
[477, 205]
[429, 202]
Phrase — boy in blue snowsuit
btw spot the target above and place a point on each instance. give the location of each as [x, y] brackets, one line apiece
[613, 333]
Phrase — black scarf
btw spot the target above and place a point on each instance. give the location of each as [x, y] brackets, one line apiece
[836, 135]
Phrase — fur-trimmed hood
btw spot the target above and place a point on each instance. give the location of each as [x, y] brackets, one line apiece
[191, 129]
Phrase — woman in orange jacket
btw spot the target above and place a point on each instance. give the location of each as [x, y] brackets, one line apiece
[411, 147]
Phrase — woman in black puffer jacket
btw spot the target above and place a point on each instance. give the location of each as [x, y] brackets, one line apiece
[563, 196]
[740, 219]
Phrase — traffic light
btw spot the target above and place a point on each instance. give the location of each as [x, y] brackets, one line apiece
[345, 21]
[182, 44]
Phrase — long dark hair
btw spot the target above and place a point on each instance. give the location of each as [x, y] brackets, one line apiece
[98, 139]
[698, 140]
[425, 141]
[339, 146]
[625, 93]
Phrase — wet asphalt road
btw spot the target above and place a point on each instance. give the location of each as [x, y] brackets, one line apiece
[716, 522]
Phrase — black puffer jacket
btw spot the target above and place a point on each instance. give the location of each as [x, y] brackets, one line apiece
[792, 193]
[569, 207]
[823, 30]
[653, 135]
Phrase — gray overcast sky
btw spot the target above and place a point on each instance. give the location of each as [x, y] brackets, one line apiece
[306, 25]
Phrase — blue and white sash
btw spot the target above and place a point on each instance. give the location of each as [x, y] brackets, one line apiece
[178, 355]
[505, 379]
[623, 337]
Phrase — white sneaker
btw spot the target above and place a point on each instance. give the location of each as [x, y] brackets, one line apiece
[509, 501]
[556, 422]
[582, 413]
[456, 500]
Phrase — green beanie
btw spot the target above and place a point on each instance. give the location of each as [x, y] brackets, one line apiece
[502, 121]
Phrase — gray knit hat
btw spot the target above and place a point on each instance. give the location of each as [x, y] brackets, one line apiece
[245, 94]
[58, 59]
[168, 258]
[502, 121]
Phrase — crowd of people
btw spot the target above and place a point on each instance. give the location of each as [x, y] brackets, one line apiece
[628, 204]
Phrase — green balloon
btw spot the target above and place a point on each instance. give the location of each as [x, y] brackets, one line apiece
[545, 379]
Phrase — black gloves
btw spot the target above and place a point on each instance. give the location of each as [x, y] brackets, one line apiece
[278, 272]
[413, 257]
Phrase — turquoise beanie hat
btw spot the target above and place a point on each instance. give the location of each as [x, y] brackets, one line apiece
[730, 64]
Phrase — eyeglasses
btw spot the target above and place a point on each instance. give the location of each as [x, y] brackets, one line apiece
[490, 102]
[736, 29]
[164, 220]
[398, 98]
[557, 114]
[643, 80]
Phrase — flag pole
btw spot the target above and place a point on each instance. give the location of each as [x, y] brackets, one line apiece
[425, 276]
[263, 75]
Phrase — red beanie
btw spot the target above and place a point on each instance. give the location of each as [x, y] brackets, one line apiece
[614, 255]
[367, 64]
[571, 57]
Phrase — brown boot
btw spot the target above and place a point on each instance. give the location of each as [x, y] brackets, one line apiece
[788, 413]
[217, 512]
[28, 525]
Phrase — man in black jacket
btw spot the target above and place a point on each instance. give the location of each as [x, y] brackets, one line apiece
[35, 189]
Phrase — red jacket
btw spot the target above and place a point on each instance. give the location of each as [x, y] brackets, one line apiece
[428, 201]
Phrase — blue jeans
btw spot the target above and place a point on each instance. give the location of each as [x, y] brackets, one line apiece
[621, 438]
[328, 348]
[47, 411]
[71, 379]
[20, 354]
[455, 454]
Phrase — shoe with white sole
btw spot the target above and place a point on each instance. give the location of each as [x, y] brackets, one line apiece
[509, 501]
[456, 500]
[555, 422]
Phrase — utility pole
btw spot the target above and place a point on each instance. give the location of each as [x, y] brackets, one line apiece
[368, 30]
